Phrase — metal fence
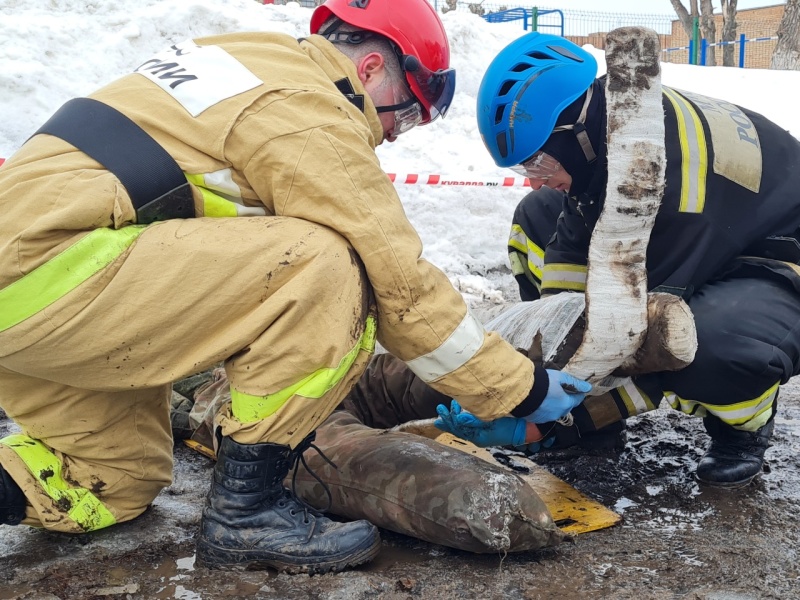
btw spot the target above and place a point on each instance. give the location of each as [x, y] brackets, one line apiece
[752, 47]
[575, 23]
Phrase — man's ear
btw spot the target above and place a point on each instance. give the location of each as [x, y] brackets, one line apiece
[371, 68]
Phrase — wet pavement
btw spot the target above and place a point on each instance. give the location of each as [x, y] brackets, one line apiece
[677, 540]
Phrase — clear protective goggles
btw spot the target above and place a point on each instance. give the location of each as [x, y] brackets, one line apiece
[407, 113]
[539, 166]
[407, 118]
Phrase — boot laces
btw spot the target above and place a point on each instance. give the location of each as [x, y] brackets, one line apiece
[296, 460]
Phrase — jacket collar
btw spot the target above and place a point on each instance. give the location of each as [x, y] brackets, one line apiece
[344, 76]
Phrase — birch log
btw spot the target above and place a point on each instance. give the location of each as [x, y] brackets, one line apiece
[616, 286]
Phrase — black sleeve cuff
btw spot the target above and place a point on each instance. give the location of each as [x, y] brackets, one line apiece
[541, 381]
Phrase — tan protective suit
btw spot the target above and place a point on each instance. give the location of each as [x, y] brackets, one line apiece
[99, 315]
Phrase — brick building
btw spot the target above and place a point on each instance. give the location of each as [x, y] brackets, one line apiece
[754, 23]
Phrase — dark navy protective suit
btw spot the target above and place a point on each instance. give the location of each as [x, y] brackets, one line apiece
[725, 239]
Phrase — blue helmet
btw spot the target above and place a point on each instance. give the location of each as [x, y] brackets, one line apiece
[523, 91]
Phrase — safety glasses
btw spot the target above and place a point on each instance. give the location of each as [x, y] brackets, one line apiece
[407, 113]
[539, 166]
[407, 118]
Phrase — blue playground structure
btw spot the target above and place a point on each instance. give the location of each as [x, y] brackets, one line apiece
[526, 15]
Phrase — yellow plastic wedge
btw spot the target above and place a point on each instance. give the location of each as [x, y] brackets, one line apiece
[572, 512]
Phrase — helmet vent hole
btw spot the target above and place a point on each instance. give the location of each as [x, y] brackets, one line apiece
[540, 55]
[498, 115]
[501, 144]
[506, 87]
[520, 68]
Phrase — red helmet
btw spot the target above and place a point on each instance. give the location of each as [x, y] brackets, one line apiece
[417, 32]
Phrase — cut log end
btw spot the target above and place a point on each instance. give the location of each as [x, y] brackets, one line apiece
[671, 340]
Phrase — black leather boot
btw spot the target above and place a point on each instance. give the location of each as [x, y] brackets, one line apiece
[734, 457]
[252, 521]
[12, 500]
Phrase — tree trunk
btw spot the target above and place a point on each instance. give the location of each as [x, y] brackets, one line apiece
[787, 52]
[616, 283]
[708, 30]
[686, 17]
[729, 32]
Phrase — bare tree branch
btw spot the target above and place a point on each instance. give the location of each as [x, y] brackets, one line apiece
[686, 17]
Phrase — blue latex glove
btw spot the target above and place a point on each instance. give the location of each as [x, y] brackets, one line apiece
[505, 431]
[539, 446]
[558, 401]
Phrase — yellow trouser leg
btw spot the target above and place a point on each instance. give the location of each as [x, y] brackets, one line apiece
[85, 459]
[282, 301]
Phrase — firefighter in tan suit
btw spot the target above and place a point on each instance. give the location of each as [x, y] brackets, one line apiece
[296, 259]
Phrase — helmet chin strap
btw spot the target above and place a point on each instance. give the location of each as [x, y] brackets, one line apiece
[579, 129]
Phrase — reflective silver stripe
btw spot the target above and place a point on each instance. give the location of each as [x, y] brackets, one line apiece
[520, 242]
[564, 276]
[221, 196]
[222, 181]
[517, 239]
[454, 352]
[535, 259]
[635, 400]
[748, 415]
[694, 154]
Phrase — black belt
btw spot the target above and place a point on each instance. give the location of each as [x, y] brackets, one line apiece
[155, 183]
[785, 248]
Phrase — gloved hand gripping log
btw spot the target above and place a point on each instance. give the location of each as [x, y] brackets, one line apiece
[564, 392]
[616, 280]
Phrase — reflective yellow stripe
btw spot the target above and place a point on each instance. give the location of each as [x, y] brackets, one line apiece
[748, 415]
[247, 408]
[694, 153]
[79, 504]
[218, 181]
[564, 276]
[518, 265]
[535, 260]
[517, 239]
[222, 197]
[533, 253]
[453, 353]
[63, 273]
[214, 205]
[217, 206]
[636, 401]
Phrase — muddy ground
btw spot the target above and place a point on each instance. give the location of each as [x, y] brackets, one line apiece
[677, 540]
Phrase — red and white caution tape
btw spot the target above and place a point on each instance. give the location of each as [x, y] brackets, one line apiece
[435, 179]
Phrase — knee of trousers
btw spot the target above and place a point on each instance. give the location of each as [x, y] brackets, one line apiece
[335, 275]
[74, 496]
[726, 368]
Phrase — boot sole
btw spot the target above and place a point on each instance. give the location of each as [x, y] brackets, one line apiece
[217, 557]
[728, 485]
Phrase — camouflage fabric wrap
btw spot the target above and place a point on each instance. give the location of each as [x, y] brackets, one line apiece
[401, 481]
[418, 487]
